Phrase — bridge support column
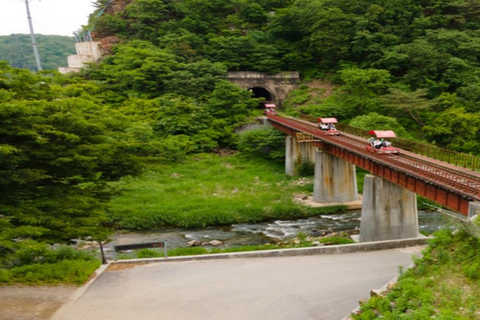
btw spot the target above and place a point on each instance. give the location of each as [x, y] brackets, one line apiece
[473, 209]
[307, 152]
[388, 211]
[297, 153]
[335, 179]
[291, 152]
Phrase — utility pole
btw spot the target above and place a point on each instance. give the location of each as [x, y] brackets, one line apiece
[32, 34]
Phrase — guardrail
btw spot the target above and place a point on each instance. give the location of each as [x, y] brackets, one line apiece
[143, 245]
[427, 150]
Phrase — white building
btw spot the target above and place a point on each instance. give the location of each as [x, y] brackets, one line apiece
[89, 51]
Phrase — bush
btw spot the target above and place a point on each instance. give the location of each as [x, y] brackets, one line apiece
[305, 168]
[32, 252]
[263, 143]
[148, 253]
[62, 272]
[38, 263]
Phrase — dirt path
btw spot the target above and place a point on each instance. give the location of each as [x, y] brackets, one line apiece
[32, 303]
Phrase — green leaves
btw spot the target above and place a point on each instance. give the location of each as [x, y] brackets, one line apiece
[54, 50]
[55, 157]
[374, 121]
[268, 144]
[455, 129]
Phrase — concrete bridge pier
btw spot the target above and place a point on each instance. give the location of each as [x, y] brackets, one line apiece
[389, 211]
[307, 152]
[335, 179]
[291, 152]
[297, 153]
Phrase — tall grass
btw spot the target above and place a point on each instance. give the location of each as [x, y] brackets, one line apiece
[37, 263]
[208, 190]
[444, 284]
[61, 272]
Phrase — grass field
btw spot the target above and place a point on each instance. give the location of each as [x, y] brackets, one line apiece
[206, 189]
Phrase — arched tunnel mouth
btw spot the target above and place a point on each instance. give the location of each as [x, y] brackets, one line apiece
[263, 93]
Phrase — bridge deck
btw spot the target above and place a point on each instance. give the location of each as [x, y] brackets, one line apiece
[444, 183]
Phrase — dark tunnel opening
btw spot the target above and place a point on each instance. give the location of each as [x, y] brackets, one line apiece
[261, 93]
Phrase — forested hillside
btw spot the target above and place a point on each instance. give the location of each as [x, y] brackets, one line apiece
[54, 50]
[162, 95]
[414, 61]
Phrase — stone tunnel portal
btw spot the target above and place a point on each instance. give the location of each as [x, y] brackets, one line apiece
[261, 93]
[273, 88]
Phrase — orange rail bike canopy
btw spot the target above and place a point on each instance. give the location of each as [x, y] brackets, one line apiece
[327, 120]
[383, 134]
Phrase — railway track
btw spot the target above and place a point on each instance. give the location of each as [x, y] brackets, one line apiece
[455, 179]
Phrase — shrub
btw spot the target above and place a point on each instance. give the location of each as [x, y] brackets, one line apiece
[263, 143]
[305, 168]
[65, 272]
[148, 253]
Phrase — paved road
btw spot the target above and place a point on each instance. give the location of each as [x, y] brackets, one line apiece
[302, 287]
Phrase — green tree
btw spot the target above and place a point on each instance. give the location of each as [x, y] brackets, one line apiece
[57, 154]
[230, 102]
[455, 129]
[54, 51]
[358, 93]
[264, 143]
[195, 79]
[56, 159]
[415, 62]
[375, 121]
[253, 52]
[137, 69]
[411, 103]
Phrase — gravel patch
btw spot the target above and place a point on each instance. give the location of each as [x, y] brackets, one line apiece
[32, 303]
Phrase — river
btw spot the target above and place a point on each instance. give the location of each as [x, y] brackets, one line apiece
[265, 232]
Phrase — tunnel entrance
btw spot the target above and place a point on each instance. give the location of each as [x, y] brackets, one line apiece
[261, 93]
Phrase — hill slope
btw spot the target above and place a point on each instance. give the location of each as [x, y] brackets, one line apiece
[54, 50]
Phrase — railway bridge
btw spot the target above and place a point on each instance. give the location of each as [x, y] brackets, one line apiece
[389, 209]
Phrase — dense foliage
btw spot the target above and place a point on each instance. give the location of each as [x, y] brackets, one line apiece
[442, 285]
[56, 154]
[162, 94]
[415, 61]
[36, 263]
[54, 50]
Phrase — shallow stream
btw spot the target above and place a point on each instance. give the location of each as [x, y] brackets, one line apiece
[264, 232]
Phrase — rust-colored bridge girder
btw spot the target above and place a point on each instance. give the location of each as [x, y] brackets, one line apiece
[422, 179]
[438, 193]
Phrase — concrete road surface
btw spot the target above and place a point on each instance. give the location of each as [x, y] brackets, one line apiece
[302, 287]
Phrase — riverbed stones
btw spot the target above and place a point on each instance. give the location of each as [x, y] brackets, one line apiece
[215, 243]
[193, 243]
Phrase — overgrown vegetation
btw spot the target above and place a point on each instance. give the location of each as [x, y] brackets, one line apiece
[162, 96]
[209, 190]
[444, 284]
[36, 264]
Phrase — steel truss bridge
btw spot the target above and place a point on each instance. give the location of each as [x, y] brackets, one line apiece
[449, 185]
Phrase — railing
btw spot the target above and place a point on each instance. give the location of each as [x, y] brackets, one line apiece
[462, 183]
[449, 156]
